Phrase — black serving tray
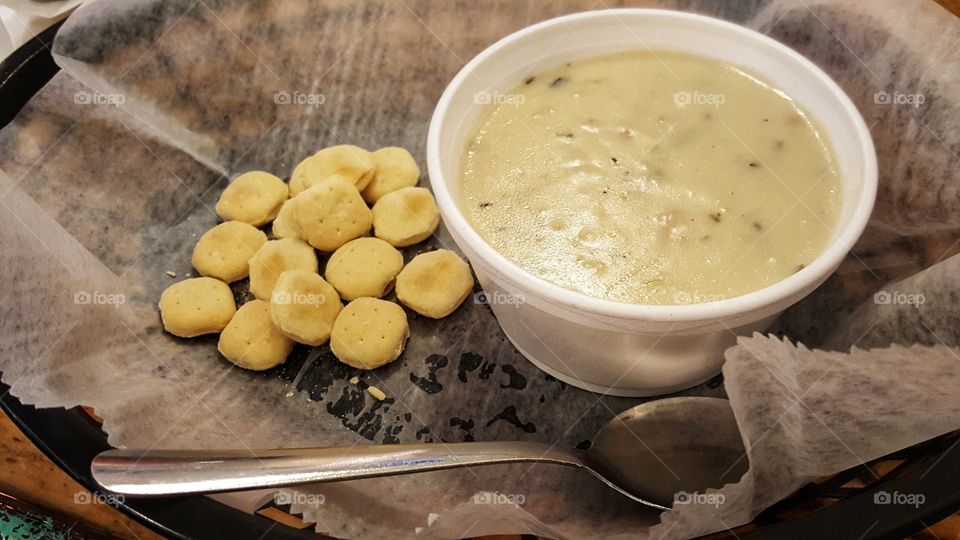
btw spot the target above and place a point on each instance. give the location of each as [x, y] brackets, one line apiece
[71, 438]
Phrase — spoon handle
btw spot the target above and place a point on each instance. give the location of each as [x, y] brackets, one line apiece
[178, 472]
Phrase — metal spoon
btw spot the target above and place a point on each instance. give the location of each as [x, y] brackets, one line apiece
[650, 453]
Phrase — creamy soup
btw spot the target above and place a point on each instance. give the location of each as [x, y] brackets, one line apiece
[651, 177]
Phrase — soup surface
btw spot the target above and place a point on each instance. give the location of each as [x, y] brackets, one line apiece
[651, 177]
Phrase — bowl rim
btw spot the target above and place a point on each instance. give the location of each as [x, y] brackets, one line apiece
[802, 282]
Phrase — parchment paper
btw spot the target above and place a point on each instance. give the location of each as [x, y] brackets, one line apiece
[110, 174]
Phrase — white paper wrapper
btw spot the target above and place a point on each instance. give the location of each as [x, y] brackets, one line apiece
[21, 20]
[815, 413]
[48, 9]
[111, 172]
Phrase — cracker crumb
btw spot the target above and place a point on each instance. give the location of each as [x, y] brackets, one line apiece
[376, 392]
[354, 379]
[171, 273]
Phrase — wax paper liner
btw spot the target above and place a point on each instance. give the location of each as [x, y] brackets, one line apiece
[110, 174]
[45, 9]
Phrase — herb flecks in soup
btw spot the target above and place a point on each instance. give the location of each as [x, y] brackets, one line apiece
[651, 177]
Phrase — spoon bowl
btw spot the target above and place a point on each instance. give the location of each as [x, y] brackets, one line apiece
[660, 449]
[650, 453]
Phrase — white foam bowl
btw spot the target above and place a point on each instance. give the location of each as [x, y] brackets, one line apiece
[636, 349]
